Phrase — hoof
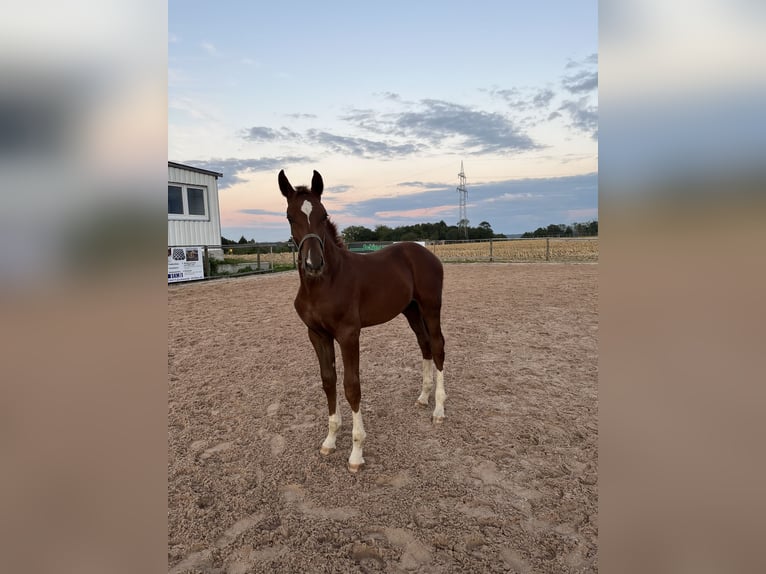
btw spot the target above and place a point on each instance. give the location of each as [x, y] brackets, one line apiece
[354, 468]
[422, 405]
[438, 420]
[326, 451]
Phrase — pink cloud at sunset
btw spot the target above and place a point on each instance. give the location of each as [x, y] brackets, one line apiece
[423, 212]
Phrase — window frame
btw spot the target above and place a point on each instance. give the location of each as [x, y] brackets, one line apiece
[186, 216]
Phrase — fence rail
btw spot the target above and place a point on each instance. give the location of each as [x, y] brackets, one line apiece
[249, 258]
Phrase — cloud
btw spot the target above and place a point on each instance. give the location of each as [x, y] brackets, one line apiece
[581, 82]
[542, 98]
[412, 130]
[254, 211]
[582, 115]
[366, 119]
[438, 122]
[360, 147]
[513, 197]
[423, 185]
[591, 60]
[511, 206]
[390, 96]
[526, 99]
[349, 145]
[301, 116]
[421, 214]
[338, 188]
[445, 124]
[264, 134]
[233, 168]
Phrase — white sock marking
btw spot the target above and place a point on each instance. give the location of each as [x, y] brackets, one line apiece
[440, 395]
[333, 424]
[428, 381]
[358, 435]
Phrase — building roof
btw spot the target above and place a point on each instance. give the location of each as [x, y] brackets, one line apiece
[197, 169]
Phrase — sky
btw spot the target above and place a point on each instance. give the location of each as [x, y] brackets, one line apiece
[386, 101]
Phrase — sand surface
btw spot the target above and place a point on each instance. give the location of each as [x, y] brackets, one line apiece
[507, 484]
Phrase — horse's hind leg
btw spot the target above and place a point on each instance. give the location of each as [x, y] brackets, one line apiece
[433, 326]
[325, 350]
[415, 319]
[349, 348]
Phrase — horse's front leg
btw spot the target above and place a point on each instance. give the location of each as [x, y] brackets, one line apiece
[349, 347]
[325, 350]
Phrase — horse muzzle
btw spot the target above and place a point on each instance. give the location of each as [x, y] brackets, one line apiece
[313, 266]
[313, 262]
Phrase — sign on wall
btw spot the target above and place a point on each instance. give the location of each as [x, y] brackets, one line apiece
[185, 264]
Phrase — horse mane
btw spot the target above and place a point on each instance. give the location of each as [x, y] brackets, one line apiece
[331, 228]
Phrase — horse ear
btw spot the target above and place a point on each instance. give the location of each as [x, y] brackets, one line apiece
[284, 185]
[317, 185]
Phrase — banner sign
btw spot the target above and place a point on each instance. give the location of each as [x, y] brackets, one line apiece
[185, 264]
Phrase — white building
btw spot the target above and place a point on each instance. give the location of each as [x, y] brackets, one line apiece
[194, 219]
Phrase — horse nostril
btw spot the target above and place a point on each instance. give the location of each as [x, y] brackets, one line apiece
[314, 264]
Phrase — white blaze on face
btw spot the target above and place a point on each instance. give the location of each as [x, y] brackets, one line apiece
[306, 208]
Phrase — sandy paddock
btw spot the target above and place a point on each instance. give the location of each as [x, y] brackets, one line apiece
[507, 484]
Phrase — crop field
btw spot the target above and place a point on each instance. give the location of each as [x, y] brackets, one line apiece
[526, 250]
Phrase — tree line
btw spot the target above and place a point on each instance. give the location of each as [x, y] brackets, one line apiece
[441, 231]
[418, 232]
[589, 229]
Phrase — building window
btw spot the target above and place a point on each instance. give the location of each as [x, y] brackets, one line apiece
[196, 201]
[175, 200]
[187, 202]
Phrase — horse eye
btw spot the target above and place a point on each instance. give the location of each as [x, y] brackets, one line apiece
[289, 219]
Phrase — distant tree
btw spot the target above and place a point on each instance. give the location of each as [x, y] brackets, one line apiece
[589, 229]
[225, 241]
[383, 233]
[242, 240]
[484, 231]
[358, 233]
[562, 230]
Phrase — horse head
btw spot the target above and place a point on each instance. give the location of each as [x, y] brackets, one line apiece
[308, 222]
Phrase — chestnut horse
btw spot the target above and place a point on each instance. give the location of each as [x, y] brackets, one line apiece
[341, 292]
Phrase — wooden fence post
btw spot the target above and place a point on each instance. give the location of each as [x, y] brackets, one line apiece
[547, 249]
[206, 262]
[490, 250]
